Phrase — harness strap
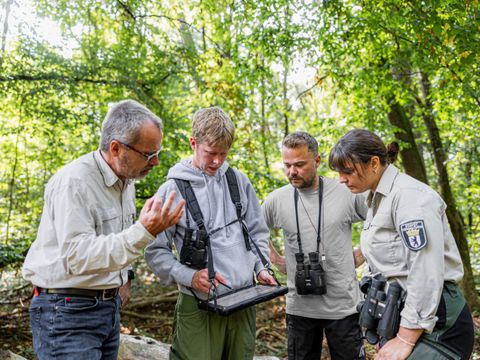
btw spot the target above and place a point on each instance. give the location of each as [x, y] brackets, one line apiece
[191, 203]
[235, 196]
[193, 208]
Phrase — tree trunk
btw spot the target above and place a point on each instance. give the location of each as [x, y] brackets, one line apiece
[189, 45]
[263, 117]
[411, 158]
[8, 3]
[454, 216]
[286, 129]
[468, 176]
[286, 68]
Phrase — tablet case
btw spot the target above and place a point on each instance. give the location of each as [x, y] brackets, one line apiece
[235, 300]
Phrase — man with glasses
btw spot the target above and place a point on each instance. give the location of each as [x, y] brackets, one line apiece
[79, 263]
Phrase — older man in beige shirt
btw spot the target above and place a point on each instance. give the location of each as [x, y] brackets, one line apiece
[87, 238]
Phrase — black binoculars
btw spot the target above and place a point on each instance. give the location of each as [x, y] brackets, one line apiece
[380, 311]
[194, 252]
[310, 278]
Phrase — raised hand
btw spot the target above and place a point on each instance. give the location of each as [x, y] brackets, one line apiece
[156, 218]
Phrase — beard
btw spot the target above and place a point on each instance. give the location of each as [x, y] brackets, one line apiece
[302, 183]
[128, 170]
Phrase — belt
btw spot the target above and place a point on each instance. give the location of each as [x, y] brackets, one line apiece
[106, 294]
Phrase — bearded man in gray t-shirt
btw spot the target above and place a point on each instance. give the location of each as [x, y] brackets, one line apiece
[294, 208]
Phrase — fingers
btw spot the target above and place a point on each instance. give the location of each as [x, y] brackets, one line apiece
[220, 279]
[148, 204]
[168, 203]
[200, 281]
[264, 277]
[156, 215]
[175, 216]
[269, 280]
[157, 204]
[179, 209]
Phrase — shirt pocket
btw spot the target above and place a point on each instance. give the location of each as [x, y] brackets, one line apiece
[108, 220]
[383, 228]
[385, 242]
[130, 213]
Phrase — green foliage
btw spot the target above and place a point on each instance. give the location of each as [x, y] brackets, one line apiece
[243, 56]
[11, 254]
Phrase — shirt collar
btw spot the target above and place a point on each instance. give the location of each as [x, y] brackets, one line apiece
[384, 185]
[109, 176]
[386, 181]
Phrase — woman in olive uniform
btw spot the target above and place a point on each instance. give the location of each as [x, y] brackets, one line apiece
[406, 238]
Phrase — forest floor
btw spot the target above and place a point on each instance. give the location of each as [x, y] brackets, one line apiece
[150, 313]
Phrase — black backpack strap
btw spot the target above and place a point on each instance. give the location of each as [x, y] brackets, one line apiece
[235, 195]
[193, 207]
[234, 191]
[191, 202]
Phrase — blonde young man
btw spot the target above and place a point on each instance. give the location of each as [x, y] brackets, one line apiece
[198, 334]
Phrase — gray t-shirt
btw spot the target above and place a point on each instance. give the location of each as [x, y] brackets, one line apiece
[340, 208]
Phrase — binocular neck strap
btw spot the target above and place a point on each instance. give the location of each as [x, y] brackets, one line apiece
[320, 199]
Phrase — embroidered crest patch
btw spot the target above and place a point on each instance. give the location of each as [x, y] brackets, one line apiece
[414, 234]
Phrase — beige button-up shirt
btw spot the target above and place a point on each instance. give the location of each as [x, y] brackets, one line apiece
[406, 237]
[87, 235]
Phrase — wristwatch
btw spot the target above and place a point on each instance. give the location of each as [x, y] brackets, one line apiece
[131, 274]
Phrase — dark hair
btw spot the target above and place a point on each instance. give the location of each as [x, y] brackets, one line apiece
[301, 138]
[357, 147]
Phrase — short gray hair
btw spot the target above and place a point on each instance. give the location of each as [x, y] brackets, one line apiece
[301, 138]
[124, 121]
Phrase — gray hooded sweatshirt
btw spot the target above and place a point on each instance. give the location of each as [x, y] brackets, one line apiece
[230, 256]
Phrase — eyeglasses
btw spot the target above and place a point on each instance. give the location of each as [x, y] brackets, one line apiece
[148, 156]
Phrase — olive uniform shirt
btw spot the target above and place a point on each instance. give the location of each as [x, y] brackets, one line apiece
[87, 235]
[340, 208]
[406, 237]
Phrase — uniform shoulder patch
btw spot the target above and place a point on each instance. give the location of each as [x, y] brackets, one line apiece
[414, 235]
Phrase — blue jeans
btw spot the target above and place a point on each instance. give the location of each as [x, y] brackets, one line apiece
[75, 327]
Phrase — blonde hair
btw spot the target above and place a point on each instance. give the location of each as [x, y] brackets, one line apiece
[214, 127]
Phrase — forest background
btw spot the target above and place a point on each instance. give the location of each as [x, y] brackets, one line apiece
[408, 70]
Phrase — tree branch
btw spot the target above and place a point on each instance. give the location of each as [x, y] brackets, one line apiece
[318, 82]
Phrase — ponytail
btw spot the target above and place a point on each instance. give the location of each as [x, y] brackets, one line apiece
[392, 152]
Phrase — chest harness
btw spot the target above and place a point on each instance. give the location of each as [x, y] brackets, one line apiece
[197, 252]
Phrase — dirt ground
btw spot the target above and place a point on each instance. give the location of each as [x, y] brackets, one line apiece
[150, 313]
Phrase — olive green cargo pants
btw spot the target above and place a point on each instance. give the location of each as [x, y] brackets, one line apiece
[201, 335]
[453, 335]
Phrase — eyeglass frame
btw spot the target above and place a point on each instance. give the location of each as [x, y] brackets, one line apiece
[147, 156]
